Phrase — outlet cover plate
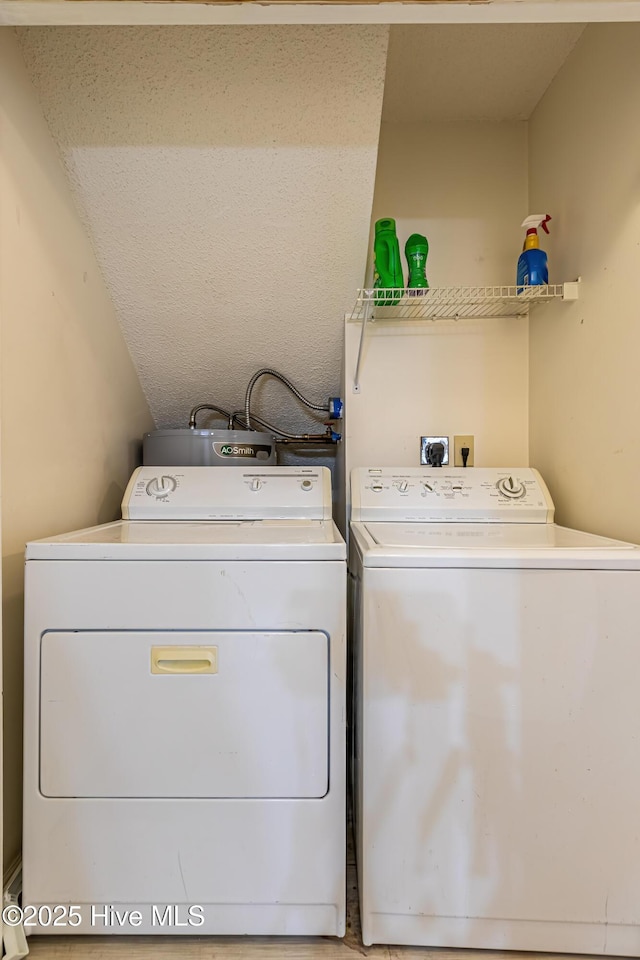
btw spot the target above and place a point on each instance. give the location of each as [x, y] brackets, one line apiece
[424, 448]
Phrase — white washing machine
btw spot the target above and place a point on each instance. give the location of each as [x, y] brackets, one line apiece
[498, 717]
[185, 711]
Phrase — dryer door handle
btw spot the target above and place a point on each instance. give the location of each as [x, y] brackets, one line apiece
[181, 660]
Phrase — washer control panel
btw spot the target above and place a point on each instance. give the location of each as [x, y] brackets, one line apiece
[229, 493]
[481, 494]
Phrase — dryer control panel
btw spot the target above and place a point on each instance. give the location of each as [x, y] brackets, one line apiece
[232, 493]
[482, 494]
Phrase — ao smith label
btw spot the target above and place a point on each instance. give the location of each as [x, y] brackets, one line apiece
[249, 451]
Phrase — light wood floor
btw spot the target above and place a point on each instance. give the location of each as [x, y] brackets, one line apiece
[220, 948]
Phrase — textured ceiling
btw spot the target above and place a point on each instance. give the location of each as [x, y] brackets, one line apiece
[225, 175]
[488, 72]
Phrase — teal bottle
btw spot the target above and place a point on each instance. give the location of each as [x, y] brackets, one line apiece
[416, 251]
[388, 263]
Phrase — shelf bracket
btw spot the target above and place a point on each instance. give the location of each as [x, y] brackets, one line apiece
[570, 291]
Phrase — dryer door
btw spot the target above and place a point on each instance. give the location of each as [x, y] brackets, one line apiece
[184, 714]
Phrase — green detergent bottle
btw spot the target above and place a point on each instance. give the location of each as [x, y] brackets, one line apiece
[388, 263]
[416, 251]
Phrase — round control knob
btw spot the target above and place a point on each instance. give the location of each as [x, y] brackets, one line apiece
[161, 487]
[306, 484]
[376, 487]
[508, 487]
[403, 486]
[256, 483]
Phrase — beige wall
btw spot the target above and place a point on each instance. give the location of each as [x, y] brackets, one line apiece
[72, 407]
[464, 185]
[585, 398]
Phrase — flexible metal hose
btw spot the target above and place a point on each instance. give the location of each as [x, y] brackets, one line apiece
[302, 437]
[267, 371]
[206, 406]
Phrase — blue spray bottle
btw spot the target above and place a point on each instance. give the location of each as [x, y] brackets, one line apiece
[533, 269]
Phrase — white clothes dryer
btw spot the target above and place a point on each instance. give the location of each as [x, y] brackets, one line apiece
[497, 658]
[185, 711]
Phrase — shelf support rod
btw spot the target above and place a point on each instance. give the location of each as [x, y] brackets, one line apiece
[365, 319]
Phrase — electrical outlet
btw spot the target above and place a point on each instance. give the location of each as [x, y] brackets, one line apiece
[458, 444]
[425, 444]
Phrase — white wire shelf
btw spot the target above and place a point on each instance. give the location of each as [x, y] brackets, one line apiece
[450, 303]
[455, 303]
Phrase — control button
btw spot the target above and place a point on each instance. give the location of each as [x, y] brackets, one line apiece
[255, 484]
[376, 487]
[161, 487]
[306, 484]
[511, 488]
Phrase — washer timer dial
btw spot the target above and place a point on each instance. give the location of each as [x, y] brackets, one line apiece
[508, 487]
[161, 487]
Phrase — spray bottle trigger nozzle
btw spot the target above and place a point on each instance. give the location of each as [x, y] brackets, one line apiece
[537, 220]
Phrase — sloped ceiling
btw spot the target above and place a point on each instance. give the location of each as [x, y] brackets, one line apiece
[225, 175]
[473, 71]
